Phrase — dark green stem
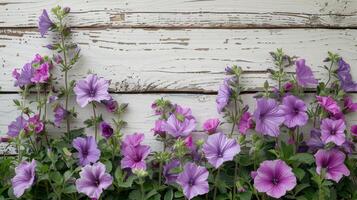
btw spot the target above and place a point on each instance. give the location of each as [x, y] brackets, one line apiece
[95, 122]
[216, 184]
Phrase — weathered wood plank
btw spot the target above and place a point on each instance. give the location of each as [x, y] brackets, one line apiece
[139, 116]
[182, 13]
[189, 60]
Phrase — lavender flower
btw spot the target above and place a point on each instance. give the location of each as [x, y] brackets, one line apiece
[332, 161]
[210, 125]
[106, 129]
[345, 77]
[16, 127]
[88, 151]
[23, 78]
[193, 180]
[294, 110]
[185, 112]
[134, 157]
[34, 124]
[169, 176]
[245, 123]
[333, 131]
[93, 180]
[268, 117]
[349, 105]
[304, 74]
[111, 105]
[133, 140]
[315, 142]
[44, 23]
[91, 89]
[275, 178]
[177, 128]
[60, 114]
[24, 178]
[329, 104]
[218, 149]
[159, 128]
[224, 93]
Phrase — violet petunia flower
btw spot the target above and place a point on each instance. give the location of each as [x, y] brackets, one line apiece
[210, 125]
[171, 177]
[134, 157]
[315, 143]
[177, 128]
[185, 112]
[159, 128]
[275, 178]
[24, 77]
[219, 149]
[60, 114]
[41, 74]
[245, 123]
[24, 178]
[193, 180]
[294, 111]
[332, 161]
[106, 129]
[92, 88]
[133, 140]
[223, 96]
[329, 104]
[333, 131]
[93, 180]
[349, 105]
[111, 105]
[268, 117]
[44, 23]
[16, 126]
[87, 148]
[34, 124]
[345, 77]
[304, 74]
[354, 130]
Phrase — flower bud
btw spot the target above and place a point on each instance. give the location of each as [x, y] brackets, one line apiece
[140, 172]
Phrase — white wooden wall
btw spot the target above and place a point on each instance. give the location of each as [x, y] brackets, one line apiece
[177, 49]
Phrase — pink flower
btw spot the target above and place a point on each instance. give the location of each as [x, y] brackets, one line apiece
[288, 86]
[329, 104]
[354, 130]
[42, 73]
[34, 124]
[159, 128]
[211, 125]
[349, 106]
[333, 131]
[245, 123]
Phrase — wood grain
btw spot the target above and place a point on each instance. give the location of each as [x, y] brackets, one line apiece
[183, 13]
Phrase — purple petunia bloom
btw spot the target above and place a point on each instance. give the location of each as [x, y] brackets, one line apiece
[333, 162]
[304, 74]
[349, 105]
[333, 131]
[193, 180]
[34, 124]
[42, 74]
[169, 176]
[275, 178]
[44, 23]
[329, 104]
[16, 127]
[268, 117]
[294, 111]
[134, 157]
[185, 112]
[60, 114]
[315, 142]
[111, 105]
[133, 140]
[91, 89]
[24, 178]
[177, 128]
[159, 128]
[87, 148]
[106, 129]
[245, 123]
[210, 125]
[218, 149]
[354, 130]
[345, 77]
[224, 93]
[93, 180]
[24, 77]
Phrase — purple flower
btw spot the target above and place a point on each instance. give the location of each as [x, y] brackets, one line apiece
[218, 149]
[34, 124]
[37, 60]
[245, 123]
[348, 147]
[332, 161]
[211, 125]
[349, 106]
[42, 73]
[23, 78]
[354, 130]
[44, 23]
[329, 104]
[88, 151]
[159, 128]
[58, 59]
[134, 157]
[91, 89]
[224, 93]
[133, 140]
[185, 112]
[111, 105]
[93, 180]
[5, 139]
[52, 99]
[24, 178]
[16, 127]
[288, 86]
[60, 114]
[294, 110]
[169, 176]
[345, 77]
[177, 128]
[106, 129]
[315, 142]
[304, 74]
[333, 131]
[275, 178]
[193, 180]
[268, 117]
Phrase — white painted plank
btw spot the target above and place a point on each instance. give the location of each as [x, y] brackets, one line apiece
[182, 13]
[179, 60]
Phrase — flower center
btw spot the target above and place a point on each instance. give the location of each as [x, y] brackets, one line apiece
[191, 182]
[91, 93]
[275, 181]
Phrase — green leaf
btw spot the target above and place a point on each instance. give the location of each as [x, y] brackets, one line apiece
[150, 194]
[69, 189]
[56, 177]
[286, 150]
[302, 158]
[300, 187]
[135, 195]
[299, 173]
[245, 195]
[169, 195]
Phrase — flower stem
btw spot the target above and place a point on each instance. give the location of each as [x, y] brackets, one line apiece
[235, 179]
[95, 122]
[160, 173]
[216, 183]
[142, 191]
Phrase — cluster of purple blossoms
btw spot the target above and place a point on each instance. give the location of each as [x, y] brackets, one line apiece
[134, 152]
